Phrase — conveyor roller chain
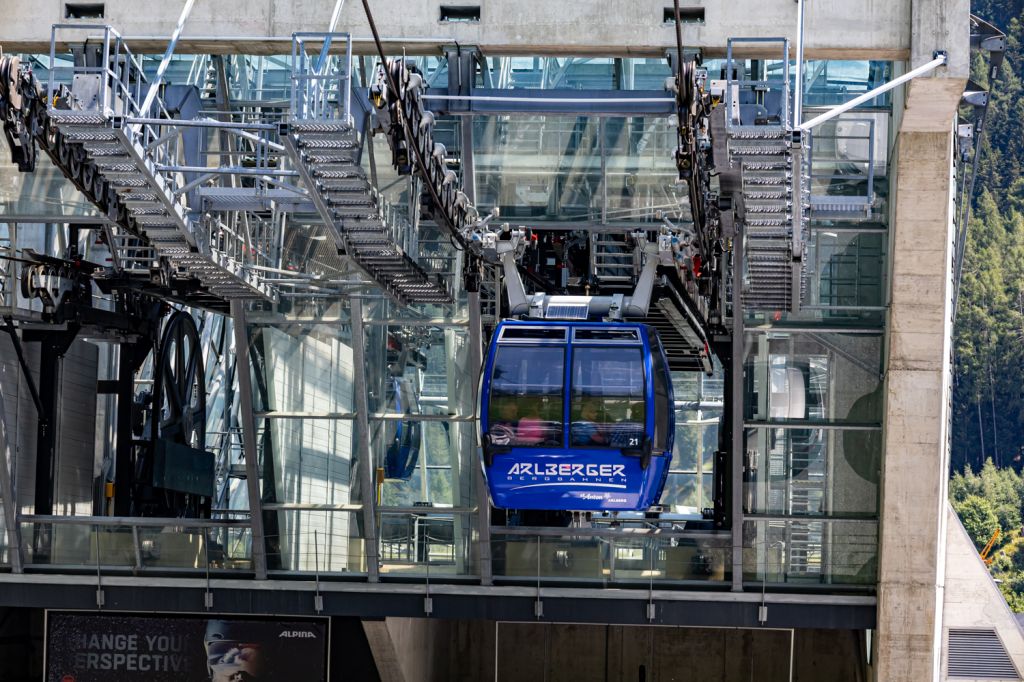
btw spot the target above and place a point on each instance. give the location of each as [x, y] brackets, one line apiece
[114, 164]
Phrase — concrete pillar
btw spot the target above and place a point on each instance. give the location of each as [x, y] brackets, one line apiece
[425, 649]
[918, 380]
[833, 655]
[385, 654]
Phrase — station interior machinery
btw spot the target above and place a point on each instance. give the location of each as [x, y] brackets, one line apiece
[469, 317]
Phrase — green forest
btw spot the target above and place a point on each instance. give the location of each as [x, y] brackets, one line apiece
[988, 414]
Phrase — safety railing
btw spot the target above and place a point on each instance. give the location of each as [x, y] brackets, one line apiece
[810, 551]
[315, 539]
[762, 89]
[120, 77]
[136, 543]
[842, 166]
[611, 556]
[434, 542]
[321, 80]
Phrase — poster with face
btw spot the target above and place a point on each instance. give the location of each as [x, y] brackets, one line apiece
[110, 647]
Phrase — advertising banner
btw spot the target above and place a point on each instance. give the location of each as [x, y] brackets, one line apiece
[94, 647]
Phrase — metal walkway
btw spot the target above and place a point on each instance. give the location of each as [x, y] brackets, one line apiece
[324, 145]
[106, 142]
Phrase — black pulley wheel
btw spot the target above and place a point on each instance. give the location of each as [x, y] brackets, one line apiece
[179, 400]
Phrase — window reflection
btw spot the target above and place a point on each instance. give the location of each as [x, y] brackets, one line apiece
[607, 397]
[525, 407]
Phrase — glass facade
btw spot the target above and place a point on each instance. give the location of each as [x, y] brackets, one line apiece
[814, 381]
[578, 169]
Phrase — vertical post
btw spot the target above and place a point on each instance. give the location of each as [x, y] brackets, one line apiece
[468, 170]
[137, 547]
[100, 599]
[128, 360]
[7, 498]
[364, 453]
[797, 160]
[798, 91]
[604, 170]
[247, 425]
[325, 50]
[46, 429]
[736, 413]
[483, 503]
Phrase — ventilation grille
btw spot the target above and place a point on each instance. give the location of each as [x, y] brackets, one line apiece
[978, 654]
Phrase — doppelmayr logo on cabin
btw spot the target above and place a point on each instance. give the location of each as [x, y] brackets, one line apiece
[538, 475]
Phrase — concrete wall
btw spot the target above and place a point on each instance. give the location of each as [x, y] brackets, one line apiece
[849, 29]
[420, 650]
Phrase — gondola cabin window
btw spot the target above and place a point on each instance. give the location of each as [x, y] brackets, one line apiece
[526, 396]
[607, 406]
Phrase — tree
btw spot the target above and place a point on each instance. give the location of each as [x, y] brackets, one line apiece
[979, 518]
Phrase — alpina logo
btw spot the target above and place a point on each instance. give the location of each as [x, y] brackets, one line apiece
[582, 471]
[296, 633]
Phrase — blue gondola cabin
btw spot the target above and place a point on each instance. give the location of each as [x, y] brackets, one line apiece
[576, 416]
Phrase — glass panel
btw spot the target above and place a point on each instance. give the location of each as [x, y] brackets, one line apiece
[828, 82]
[848, 269]
[526, 403]
[77, 545]
[44, 193]
[826, 377]
[225, 547]
[431, 544]
[810, 551]
[848, 151]
[698, 419]
[317, 540]
[815, 472]
[607, 397]
[683, 493]
[607, 559]
[551, 168]
[576, 73]
[431, 481]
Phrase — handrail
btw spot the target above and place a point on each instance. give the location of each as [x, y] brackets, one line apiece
[148, 522]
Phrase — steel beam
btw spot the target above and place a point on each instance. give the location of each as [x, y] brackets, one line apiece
[482, 495]
[557, 101]
[247, 424]
[363, 451]
[158, 78]
[736, 414]
[706, 607]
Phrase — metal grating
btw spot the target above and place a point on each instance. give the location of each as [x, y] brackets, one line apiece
[978, 654]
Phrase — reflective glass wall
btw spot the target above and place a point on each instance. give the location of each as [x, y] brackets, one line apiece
[814, 382]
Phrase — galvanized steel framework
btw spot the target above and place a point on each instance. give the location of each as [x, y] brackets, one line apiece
[552, 102]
